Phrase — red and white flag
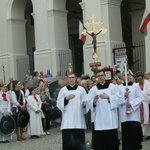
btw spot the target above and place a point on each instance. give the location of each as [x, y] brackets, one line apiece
[145, 21]
[82, 32]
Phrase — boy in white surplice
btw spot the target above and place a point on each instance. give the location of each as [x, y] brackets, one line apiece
[72, 102]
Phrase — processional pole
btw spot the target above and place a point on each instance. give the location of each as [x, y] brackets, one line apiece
[128, 111]
[93, 33]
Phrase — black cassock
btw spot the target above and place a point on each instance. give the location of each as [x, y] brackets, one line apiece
[73, 139]
[73, 121]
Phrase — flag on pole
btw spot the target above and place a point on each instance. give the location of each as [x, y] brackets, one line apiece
[82, 32]
[145, 21]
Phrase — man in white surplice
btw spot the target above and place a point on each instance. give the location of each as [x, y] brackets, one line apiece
[130, 123]
[105, 103]
[72, 102]
[145, 88]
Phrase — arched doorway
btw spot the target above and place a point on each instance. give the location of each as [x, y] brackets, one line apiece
[21, 36]
[131, 17]
[73, 17]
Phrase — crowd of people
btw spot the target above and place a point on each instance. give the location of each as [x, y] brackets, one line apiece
[105, 108]
[19, 97]
[84, 104]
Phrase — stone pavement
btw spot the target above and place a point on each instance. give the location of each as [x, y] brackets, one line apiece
[47, 142]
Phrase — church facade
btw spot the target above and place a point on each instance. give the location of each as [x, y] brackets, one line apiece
[40, 35]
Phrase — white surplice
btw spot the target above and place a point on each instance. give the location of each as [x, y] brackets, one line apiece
[35, 122]
[135, 99]
[105, 112]
[130, 123]
[73, 112]
[4, 107]
[146, 102]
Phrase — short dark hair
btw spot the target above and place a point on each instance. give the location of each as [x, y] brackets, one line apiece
[118, 71]
[15, 82]
[25, 82]
[102, 70]
[140, 74]
[70, 73]
[31, 89]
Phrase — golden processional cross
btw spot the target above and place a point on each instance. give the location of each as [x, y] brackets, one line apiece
[93, 33]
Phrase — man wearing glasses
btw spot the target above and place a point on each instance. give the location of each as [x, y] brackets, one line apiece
[103, 102]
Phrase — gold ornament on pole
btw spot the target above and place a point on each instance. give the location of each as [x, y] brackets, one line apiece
[128, 111]
[93, 33]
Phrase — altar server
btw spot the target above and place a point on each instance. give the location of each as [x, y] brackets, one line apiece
[72, 102]
[105, 104]
[144, 107]
[130, 100]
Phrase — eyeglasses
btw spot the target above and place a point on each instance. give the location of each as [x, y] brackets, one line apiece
[100, 75]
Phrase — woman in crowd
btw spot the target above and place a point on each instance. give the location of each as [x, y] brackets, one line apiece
[25, 89]
[36, 75]
[9, 90]
[5, 110]
[35, 124]
[46, 106]
[18, 101]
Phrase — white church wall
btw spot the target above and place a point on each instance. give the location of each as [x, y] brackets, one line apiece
[53, 35]
[4, 67]
[53, 59]
[57, 21]
[22, 64]
[18, 36]
[41, 25]
[44, 60]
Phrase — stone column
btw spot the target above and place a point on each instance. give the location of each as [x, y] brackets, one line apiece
[42, 41]
[17, 53]
[53, 35]
[147, 39]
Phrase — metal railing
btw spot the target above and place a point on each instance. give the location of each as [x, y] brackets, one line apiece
[136, 55]
[65, 58]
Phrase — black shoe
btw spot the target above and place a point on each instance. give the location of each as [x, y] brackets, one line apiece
[147, 138]
[6, 141]
[36, 136]
[33, 137]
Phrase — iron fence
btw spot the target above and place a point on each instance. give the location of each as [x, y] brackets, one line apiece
[65, 58]
[135, 52]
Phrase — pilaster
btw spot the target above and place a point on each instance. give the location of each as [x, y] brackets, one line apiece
[56, 38]
[57, 22]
